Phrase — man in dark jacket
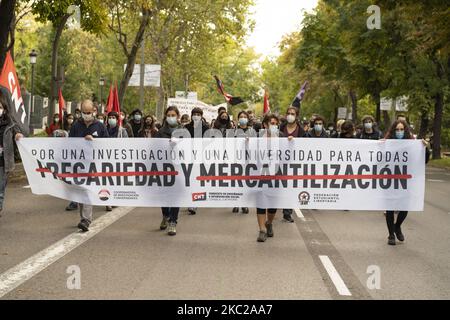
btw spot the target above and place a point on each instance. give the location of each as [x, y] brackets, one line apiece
[136, 122]
[317, 130]
[197, 127]
[90, 128]
[369, 131]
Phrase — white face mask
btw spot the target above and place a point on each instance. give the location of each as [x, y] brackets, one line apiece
[70, 121]
[196, 118]
[87, 117]
[112, 122]
[56, 120]
[368, 125]
[172, 121]
[273, 129]
[290, 118]
[101, 120]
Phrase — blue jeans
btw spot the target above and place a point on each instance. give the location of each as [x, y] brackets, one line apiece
[3, 181]
[171, 214]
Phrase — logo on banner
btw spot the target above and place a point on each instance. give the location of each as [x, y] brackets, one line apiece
[104, 195]
[201, 196]
[304, 197]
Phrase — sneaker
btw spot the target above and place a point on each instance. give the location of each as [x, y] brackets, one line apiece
[235, 210]
[391, 241]
[262, 237]
[269, 228]
[172, 229]
[84, 225]
[163, 225]
[109, 208]
[399, 234]
[72, 206]
[288, 218]
[245, 210]
[192, 211]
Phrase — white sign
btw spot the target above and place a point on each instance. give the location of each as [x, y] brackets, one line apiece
[342, 174]
[185, 106]
[386, 104]
[192, 96]
[180, 94]
[342, 113]
[401, 104]
[152, 75]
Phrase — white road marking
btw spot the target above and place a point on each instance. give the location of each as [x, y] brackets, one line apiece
[432, 180]
[300, 214]
[335, 277]
[27, 187]
[24, 271]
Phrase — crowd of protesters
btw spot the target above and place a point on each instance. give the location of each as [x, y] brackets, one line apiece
[88, 123]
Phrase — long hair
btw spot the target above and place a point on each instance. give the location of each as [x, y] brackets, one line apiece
[391, 132]
[171, 108]
[4, 103]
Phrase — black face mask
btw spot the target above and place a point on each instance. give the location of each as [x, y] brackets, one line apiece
[223, 121]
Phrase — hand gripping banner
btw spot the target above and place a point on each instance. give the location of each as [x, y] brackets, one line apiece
[334, 174]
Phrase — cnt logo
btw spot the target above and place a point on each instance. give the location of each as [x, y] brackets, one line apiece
[304, 198]
[201, 196]
[104, 195]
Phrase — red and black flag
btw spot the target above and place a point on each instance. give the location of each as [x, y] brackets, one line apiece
[228, 97]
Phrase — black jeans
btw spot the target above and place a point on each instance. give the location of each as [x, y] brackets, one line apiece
[171, 214]
[390, 221]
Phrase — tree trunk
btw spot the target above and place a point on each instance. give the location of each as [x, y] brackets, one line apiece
[354, 106]
[387, 119]
[377, 98]
[438, 110]
[54, 78]
[437, 125]
[6, 17]
[131, 59]
[424, 122]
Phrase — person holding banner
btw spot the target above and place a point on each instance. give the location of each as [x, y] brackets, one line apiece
[55, 125]
[347, 130]
[244, 130]
[317, 130]
[399, 130]
[291, 129]
[9, 131]
[223, 123]
[87, 127]
[265, 216]
[136, 122]
[171, 123]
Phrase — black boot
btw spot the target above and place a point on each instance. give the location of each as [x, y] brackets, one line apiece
[398, 230]
[391, 227]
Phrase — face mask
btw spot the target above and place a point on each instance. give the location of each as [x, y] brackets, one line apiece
[56, 120]
[399, 134]
[88, 117]
[330, 129]
[223, 121]
[196, 118]
[122, 118]
[368, 125]
[318, 127]
[290, 118]
[172, 121]
[101, 120]
[243, 122]
[137, 117]
[273, 129]
[112, 122]
[77, 115]
[70, 121]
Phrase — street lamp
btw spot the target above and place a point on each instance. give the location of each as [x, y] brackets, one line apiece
[33, 58]
[101, 83]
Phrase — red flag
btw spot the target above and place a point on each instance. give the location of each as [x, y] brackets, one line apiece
[266, 102]
[62, 106]
[116, 104]
[109, 103]
[228, 97]
[9, 80]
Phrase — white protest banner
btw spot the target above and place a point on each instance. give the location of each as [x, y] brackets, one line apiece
[342, 113]
[186, 105]
[386, 104]
[401, 104]
[335, 174]
[152, 75]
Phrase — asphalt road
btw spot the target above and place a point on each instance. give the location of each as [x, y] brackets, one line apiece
[323, 255]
